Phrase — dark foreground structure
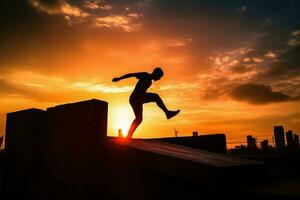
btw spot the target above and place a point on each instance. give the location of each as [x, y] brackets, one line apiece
[64, 153]
[213, 143]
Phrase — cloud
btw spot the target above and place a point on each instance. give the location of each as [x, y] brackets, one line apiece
[10, 89]
[39, 88]
[180, 86]
[295, 39]
[259, 94]
[296, 32]
[287, 66]
[135, 15]
[59, 7]
[240, 69]
[98, 87]
[117, 21]
[96, 4]
[242, 9]
[7, 88]
[271, 55]
[32, 92]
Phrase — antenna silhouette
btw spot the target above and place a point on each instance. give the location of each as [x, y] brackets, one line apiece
[176, 132]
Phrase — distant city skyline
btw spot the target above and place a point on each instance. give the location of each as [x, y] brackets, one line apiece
[282, 140]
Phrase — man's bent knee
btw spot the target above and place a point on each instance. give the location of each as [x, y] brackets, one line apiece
[155, 97]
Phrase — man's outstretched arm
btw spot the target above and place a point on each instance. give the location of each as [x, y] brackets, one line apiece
[136, 75]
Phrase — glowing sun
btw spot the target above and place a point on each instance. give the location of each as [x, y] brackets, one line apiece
[121, 120]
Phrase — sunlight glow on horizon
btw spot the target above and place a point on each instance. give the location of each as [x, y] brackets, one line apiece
[120, 118]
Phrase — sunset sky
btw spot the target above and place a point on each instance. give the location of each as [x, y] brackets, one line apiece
[231, 66]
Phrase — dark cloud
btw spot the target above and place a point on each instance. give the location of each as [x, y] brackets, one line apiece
[27, 34]
[213, 27]
[283, 73]
[240, 69]
[258, 94]
[287, 66]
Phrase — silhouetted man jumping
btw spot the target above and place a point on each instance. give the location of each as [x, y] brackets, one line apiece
[139, 96]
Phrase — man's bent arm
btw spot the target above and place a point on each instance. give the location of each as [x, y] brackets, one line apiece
[137, 75]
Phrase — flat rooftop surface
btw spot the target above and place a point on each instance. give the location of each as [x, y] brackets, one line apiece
[186, 153]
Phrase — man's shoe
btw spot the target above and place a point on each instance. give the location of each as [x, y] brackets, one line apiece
[171, 114]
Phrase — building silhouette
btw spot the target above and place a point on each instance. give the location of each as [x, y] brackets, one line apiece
[296, 141]
[1, 141]
[264, 145]
[55, 151]
[195, 133]
[279, 137]
[292, 144]
[289, 138]
[251, 142]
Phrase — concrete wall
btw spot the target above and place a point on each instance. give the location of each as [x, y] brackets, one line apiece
[24, 152]
[56, 154]
[74, 144]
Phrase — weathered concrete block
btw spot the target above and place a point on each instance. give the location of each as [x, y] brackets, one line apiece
[76, 136]
[24, 153]
[77, 129]
[56, 154]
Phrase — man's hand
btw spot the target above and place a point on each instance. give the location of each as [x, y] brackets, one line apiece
[116, 79]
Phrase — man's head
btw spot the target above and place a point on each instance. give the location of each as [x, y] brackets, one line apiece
[157, 73]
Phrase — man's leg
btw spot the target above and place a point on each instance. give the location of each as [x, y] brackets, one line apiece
[153, 97]
[138, 112]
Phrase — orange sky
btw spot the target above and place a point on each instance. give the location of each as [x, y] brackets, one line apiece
[222, 69]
